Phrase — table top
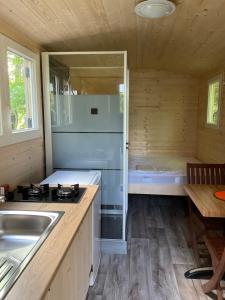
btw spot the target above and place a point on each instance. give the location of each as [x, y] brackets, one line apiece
[203, 197]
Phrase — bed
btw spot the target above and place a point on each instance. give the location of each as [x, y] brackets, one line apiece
[159, 175]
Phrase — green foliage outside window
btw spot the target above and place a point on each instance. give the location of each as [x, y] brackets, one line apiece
[20, 95]
[213, 102]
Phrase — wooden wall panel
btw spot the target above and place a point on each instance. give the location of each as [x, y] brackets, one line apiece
[22, 163]
[211, 141]
[163, 113]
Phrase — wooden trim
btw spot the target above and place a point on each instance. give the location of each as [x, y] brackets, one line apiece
[47, 113]
[156, 189]
[85, 52]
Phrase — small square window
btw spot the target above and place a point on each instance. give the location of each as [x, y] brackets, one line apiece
[21, 91]
[214, 88]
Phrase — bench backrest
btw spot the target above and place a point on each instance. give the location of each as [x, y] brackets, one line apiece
[198, 173]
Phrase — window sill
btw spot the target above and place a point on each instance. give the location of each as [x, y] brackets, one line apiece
[212, 126]
[24, 130]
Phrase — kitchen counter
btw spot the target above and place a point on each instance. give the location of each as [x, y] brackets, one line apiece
[37, 276]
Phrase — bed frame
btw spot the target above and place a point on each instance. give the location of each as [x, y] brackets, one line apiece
[151, 189]
[161, 178]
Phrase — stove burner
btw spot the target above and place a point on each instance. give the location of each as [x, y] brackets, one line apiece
[67, 192]
[64, 192]
[44, 193]
[33, 191]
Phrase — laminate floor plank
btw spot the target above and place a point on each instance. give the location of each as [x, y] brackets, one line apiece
[139, 270]
[153, 216]
[117, 278]
[97, 289]
[197, 285]
[137, 219]
[163, 279]
[179, 250]
[187, 288]
[157, 257]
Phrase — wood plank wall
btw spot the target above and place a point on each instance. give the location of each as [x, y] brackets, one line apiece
[163, 113]
[211, 141]
[23, 162]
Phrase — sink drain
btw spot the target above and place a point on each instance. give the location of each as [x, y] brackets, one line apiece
[8, 265]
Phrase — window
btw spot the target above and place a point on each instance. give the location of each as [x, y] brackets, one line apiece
[21, 87]
[214, 88]
[19, 93]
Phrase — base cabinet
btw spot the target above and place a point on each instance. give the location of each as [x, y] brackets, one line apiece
[71, 281]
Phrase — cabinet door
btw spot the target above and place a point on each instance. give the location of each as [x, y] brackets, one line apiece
[71, 281]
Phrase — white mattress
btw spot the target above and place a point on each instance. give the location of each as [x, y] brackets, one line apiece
[159, 170]
[156, 177]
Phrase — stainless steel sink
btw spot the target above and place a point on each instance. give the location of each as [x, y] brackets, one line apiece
[21, 234]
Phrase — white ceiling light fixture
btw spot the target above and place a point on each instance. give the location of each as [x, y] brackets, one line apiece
[153, 9]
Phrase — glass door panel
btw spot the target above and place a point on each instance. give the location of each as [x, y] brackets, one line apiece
[87, 110]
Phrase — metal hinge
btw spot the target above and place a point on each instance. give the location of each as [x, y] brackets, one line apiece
[27, 72]
[91, 271]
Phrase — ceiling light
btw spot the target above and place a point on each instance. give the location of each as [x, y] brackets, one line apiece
[155, 8]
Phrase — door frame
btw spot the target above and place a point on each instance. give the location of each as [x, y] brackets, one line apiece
[47, 119]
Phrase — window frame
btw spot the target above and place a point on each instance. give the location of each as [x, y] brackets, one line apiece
[218, 78]
[7, 135]
[1, 86]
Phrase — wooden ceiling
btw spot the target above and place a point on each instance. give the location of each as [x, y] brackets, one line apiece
[191, 40]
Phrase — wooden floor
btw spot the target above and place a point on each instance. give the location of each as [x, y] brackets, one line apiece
[157, 256]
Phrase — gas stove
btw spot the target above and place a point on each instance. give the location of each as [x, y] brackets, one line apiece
[45, 193]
